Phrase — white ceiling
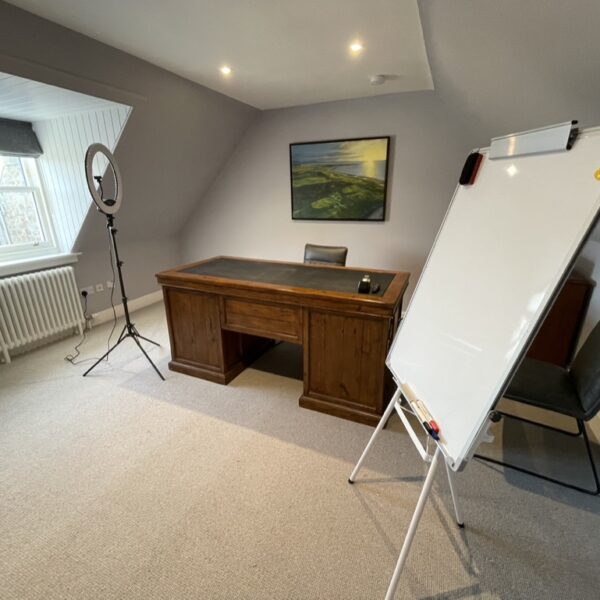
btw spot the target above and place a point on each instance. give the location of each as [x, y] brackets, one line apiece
[282, 52]
[26, 100]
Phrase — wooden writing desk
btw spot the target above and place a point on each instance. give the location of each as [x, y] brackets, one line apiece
[219, 312]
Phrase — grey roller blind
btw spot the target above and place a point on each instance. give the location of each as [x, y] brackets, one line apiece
[17, 138]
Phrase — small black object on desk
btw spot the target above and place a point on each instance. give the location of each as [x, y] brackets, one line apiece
[366, 287]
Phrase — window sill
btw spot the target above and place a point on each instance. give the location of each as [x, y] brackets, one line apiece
[35, 264]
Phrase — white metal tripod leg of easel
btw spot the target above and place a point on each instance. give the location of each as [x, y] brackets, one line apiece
[459, 520]
[412, 528]
[386, 415]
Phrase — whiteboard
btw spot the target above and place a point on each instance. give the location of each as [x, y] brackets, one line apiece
[500, 256]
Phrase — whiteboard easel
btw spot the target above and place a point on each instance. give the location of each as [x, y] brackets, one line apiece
[396, 404]
[502, 254]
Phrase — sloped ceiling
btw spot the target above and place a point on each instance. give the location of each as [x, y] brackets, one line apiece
[499, 61]
[516, 64]
[172, 147]
[282, 53]
[177, 137]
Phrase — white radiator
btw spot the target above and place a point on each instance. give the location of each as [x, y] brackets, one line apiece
[38, 306]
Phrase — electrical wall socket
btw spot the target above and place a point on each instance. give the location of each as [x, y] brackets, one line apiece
[99, 287]
[89, 289]
[109, 285]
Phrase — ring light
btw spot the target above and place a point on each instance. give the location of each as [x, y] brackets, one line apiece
[106, 205]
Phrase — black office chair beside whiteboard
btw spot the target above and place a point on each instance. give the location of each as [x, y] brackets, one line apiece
[574, 393]
[332, 255]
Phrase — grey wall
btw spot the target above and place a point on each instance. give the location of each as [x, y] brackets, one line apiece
[515, 64]
[247, 210]
[498, 67]
[94, 267]
[175, 141]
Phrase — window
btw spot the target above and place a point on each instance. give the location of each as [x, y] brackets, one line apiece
[25, 229]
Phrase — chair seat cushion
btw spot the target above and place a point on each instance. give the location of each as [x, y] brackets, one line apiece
[546, 386]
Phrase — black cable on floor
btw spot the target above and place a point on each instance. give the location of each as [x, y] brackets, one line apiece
[72, 358]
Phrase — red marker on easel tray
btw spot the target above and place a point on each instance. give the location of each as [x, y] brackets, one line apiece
[434, 426]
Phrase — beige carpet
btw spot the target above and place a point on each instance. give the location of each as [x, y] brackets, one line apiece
[123, 486]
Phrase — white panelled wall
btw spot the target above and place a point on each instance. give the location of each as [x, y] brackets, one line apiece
[64, 141]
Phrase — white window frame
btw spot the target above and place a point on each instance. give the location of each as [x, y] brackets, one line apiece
[31, 249]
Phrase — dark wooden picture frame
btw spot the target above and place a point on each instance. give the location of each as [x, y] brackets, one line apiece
[340, 180]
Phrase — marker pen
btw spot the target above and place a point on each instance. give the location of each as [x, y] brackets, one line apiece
[434, 426]
[416, 407]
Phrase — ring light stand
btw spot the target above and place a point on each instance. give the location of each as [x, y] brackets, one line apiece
[108, 207]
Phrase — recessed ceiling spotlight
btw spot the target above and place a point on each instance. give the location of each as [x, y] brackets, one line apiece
[356, 47]
[225, 70]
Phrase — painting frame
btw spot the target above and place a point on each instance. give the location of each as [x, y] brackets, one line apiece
[384, 193]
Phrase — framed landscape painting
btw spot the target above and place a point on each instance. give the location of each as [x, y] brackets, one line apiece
[340, 180]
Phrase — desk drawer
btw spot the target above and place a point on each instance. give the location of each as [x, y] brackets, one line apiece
[268, 320]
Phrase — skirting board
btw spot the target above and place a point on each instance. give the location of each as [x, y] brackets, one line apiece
[107, 315]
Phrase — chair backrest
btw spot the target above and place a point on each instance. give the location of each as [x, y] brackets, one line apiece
[335, 255]
[585, 372]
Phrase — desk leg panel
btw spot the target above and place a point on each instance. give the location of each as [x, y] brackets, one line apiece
[344, 364]
[199, 346]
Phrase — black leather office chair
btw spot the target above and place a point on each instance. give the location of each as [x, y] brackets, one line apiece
[574, 393]
[333, 255]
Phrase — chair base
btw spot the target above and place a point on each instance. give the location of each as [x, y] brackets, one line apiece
[581, 431]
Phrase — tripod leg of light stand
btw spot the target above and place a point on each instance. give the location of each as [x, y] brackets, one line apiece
[132, 332]
[122, 334]
[134, 338]
[384, 419]
[412, 528]
[121, 338]
[144, 338]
